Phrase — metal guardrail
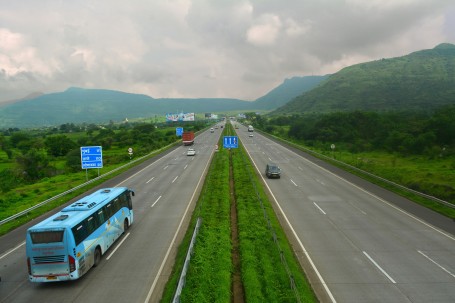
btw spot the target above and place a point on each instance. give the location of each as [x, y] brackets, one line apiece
[182, 278]
[272, 231]
[435, 199]
[24, 212]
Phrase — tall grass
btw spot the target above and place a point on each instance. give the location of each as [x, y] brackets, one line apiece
[262, 243]
[269, 267]
[209, 274]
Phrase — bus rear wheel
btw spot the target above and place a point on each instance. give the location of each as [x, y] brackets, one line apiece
[97, 257]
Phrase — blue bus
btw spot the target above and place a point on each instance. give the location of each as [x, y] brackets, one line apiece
[66, 245]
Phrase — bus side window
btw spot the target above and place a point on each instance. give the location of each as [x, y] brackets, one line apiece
[91, 224]
[116, 204]
[79, 232]
[101, 218]
[123, 200]
[109, 210]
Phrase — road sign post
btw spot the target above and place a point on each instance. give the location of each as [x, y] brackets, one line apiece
[230, 142]
[178, 131]
[130, 152]
[91, 157]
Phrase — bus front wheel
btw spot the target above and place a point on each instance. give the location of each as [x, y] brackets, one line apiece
[97, 257]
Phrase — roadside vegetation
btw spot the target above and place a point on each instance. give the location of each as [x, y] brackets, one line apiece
[36, 165]
[413, 149]
[269, 269]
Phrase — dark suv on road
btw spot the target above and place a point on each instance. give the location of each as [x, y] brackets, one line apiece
[272, 171]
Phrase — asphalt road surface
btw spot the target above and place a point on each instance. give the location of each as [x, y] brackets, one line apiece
[137, 266]
[358, 242]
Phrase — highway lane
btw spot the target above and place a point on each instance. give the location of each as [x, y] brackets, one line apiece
[133, 270]
[364, 247]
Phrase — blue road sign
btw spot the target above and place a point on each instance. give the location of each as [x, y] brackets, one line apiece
[179, 131]
[230, 142]
[91, 157]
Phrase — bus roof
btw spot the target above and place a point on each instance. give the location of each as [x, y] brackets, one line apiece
[74, 213]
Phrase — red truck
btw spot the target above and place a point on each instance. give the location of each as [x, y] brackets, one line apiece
[188, 138]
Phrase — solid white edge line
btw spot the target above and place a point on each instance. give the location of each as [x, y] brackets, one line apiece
[12, 250]
[118, 245]
[379, 267]
[156, 201]
[329, 293]
[378, 198]
[152, 288]
[436, 263]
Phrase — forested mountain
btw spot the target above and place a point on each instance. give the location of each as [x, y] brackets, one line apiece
[419, 81]
[287, 91]
[77, 105]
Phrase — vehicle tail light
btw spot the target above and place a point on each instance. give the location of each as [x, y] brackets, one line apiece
[72, 263]
[29, 266]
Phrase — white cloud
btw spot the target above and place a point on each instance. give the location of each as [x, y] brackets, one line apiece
[204, 48]
[265, 30]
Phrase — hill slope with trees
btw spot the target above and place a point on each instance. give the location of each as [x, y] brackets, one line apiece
[78, 105]
[287, 91]
[419, 81]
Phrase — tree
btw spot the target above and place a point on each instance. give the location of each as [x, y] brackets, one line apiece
[34, 164]
[59, 146]
[18, 137]
[73, 160]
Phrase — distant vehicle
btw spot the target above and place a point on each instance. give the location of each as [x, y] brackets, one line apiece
[188, 138]
[212, 130]
[67, 244]
[216, 126]
[250, 128]
[191, 152]
[250, 135]
[272, 171]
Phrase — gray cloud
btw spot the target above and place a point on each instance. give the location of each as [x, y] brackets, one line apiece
[203, 48]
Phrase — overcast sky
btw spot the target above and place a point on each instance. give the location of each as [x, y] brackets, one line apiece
[204, 48]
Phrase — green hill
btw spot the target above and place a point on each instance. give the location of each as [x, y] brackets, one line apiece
[77, 105]
[419, 81]
[287, 91]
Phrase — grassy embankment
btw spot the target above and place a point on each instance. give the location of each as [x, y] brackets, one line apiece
[262, 248]
[26, 196]
[432, 176]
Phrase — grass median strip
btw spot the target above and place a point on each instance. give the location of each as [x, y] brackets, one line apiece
[262, 244]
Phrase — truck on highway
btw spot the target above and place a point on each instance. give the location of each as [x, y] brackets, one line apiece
[250, 128]
[188, 138]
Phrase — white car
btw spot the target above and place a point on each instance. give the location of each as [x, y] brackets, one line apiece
[190, 152]
[250, 135]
